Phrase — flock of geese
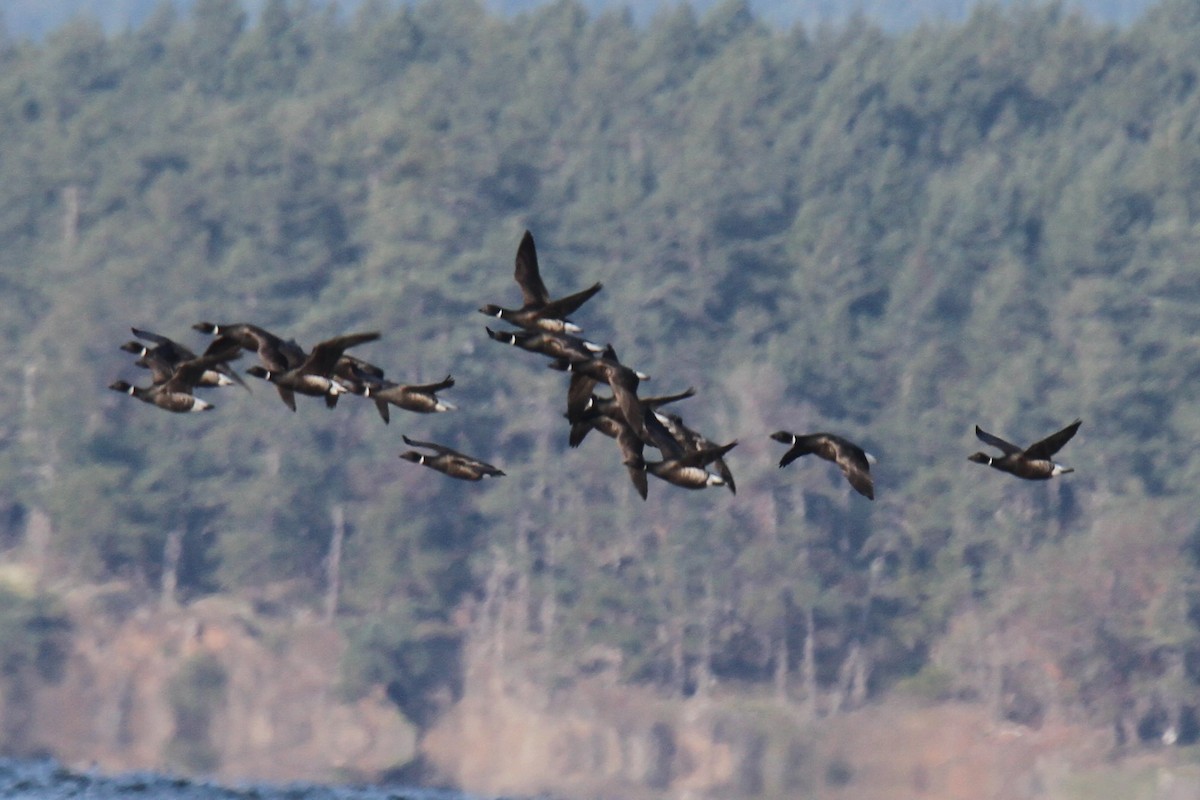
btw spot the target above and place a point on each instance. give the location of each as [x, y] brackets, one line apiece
[540, 325]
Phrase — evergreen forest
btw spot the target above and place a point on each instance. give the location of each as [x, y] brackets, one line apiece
[891, 236]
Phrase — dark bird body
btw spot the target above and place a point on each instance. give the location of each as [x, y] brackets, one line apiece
[450, 462]
[624, 382]
[276, 354]
[1034, 463]
[421, 398]
[555, 345]
[854, 462]
[539, 311]
[356, 374]
[687, 470]
[175, 393]
[693, 441]
[313, 376]
[586, 415]
[166, 354]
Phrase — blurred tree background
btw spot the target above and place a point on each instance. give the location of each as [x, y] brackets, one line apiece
[36, 18]
[894, 236]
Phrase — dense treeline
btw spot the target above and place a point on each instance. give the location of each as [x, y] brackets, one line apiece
[894, 237]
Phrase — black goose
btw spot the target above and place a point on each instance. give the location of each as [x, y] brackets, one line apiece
[1034, 463]
[624, 382]
[539, 311]
[585, 414]
[555, 345]
[275, 354]
[314, 376]
[692, 442]
[450, 462]
[686, 470]
[355, 375]
[419, 397]
[853, 460]
[175, 393]
[166, 354]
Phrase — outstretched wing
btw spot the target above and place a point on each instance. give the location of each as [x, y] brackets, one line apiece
[705, 456]
[187, 373]
[170, 351]
[560, 308]
[1008, 448]
[152, 337]
[325, 355]
[437, 448]
[1053, 443]
[529, 278]
[854, 464]
[861, 481]
[631, 454]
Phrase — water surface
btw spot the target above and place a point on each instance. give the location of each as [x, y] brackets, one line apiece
[46, 779]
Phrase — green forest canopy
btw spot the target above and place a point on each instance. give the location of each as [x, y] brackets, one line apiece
[891, 236]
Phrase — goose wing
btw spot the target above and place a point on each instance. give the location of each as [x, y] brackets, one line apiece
[287, 396]
[428, 445]
[692, 440]
[1052, 443]
[659, 435]
[704, 456]
[579, 392]
[187, 373]
[168, 350]
[355, 368]
[854, 464]
[859, 479]
[228, 346]
[528, 276]
[560, 308]
[631, 454]
[274, 353]
[662, 400]
[1008, 448]
[324, 357]
[640, 418]
[156, 338]
[438, 448]
[160, 368]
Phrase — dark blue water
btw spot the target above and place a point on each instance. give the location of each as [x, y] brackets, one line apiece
[49, 780]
